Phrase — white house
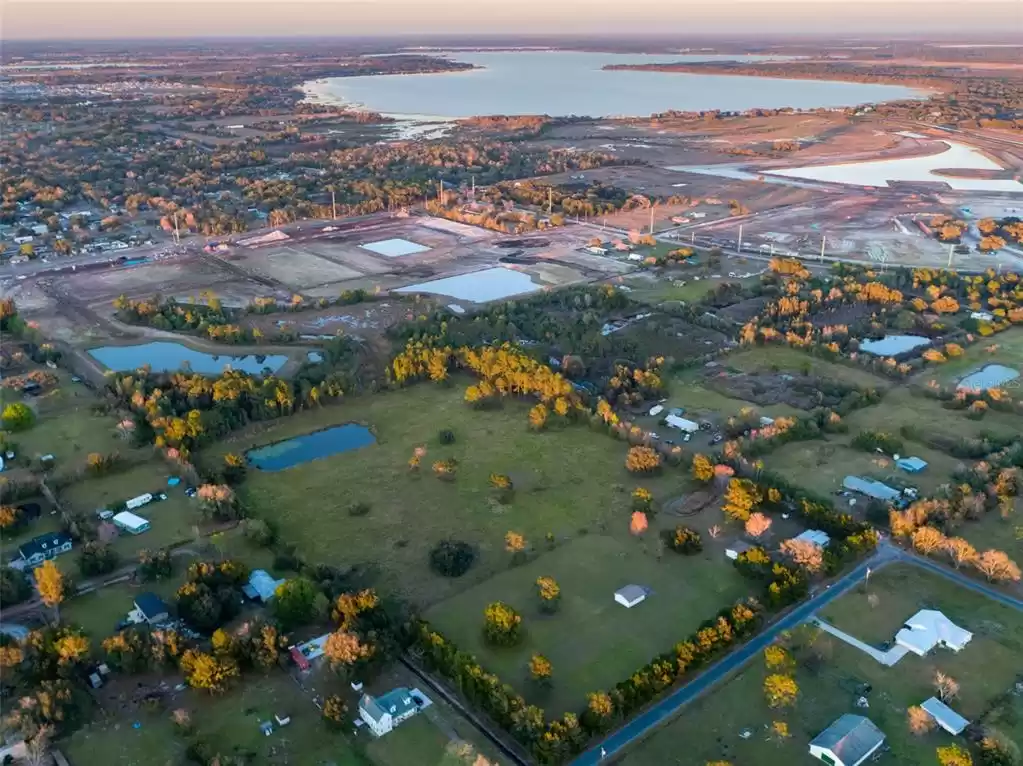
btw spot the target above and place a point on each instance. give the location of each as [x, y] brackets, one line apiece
[849, 741]
[630, 595]
[944, 716]
[131, 523]
[150, 608]
[383, 713]
[929, 628]
[45, 547]
[682, 424]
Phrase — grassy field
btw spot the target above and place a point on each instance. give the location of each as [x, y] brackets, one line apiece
[1009, 352]
[592, 641]
[663, 290]
[710, 728]
[230, 724]
[566, 479]
[795, 362]
[67, 427]
[99, 612]
[171, 520]
[820, 465]
[688, 391]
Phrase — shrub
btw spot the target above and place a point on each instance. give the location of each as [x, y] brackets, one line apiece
[683, 540]
[452, 558]
[155, 565]
[502, 625]
[18, 416]
[259, 532]
[97, 559]
[360, 508]
[871, 441]
[446, 436]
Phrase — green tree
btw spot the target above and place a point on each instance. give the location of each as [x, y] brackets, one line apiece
[295, 602]
[17, 416]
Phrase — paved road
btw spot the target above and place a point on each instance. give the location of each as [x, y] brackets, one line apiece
[668, 707]
[960, 579]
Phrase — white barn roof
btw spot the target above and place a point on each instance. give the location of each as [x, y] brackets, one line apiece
[815, 536]
[682, 424]
[944, 716]
[129, 520]
[929, 628]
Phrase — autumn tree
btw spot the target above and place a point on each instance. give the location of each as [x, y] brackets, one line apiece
[702, 468]
[297, 602]
[540, 668]
[804, 553]
[599, 709]
[344, 649]
[960, 551]
[780, 690]
[538, 417]
[209, 672]
[17, 416]
[741, 498]
[51, 586]
[502, 625]
[335, 711]
[549, 593]
[919, 720]
[928, 539]
[638, 523]
[757, 525]
[642, 460]
[996, 566]
[776, 658]
[954, 755]
[946, 686]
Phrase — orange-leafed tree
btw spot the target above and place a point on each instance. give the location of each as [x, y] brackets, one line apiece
[757, 525]
[780, 690]
[638, 523]
[642, 460]
[919, 720]
[741, 497]
[996, 566]
[344, 648]
[702, 469]
[960, 551]
[804, 553]
[927, 540]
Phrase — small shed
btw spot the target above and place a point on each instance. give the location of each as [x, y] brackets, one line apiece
[630, 595]
[261, 586]
[149, 608]
[911, 464]
[736, 549]
[944, 716]
[815, 536]
[682, 424]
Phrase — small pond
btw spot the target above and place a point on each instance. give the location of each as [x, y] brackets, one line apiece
[989, 376]
[893, 345]
[314, 357]
[302, 449]
[171, 357]
[478, 286]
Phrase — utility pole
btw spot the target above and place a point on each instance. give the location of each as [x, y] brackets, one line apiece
[550, 200]
[951, 250]
[333, 205]
[823, 242]
[177, 234]
[738, 245]
[651, 220]
[474, 188]
[692, 237]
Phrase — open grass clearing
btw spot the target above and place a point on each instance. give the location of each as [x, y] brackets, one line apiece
[99, 611]
[830, 675]
[664, 289]
[820, 465]
[172, 520]
[1007, 350]
[688, 391]
[796, 362]
[566, 479]
[230, 724]
[592, 641]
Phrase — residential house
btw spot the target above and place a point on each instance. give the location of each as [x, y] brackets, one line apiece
[45, 547]
[849, 741]
[815, 536]
[383, 713]
[929, 628]
[261, 586]
[149, 608]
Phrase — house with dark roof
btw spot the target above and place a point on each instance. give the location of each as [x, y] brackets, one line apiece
[45, 547]
[149, 608]
[849, 741]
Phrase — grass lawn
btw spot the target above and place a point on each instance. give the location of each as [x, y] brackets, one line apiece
[1009, 352]
[99, 611]
[821, 464]
[230, 724]
[566, 479]
[688, 391]
[172, 520]
[663, 290]
[67, 427]
[592, 641]
[795, 362]
[989, 665]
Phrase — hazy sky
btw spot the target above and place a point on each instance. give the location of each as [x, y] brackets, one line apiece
[80, 19]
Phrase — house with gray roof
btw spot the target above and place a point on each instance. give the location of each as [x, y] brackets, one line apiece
[385, 712]
[849, 741]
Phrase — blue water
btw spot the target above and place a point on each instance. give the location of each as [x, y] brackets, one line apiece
[171, 357]
[989, 376]
[314, 357]
[569, 82]
[893, 345]
[302, 449]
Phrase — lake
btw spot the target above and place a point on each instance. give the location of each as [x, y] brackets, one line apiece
[893, 345]
[478, 286]
[562, 83]
[989, 376]
[302, 449]
[171, 357]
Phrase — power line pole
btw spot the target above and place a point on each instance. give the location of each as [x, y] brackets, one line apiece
[951, 250]
[651, 220]
[823, 242]
[177, 234]
[738, 245]
[550, 200]
[333, 205]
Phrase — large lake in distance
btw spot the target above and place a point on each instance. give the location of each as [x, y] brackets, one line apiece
[562, 83]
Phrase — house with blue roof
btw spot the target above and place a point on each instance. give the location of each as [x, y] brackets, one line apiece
[261, 586]
[911, 464]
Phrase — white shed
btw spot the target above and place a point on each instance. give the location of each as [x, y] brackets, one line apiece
[688, 426]
[630, 595]
[944, 716]
[849, 741]
[129, 522]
